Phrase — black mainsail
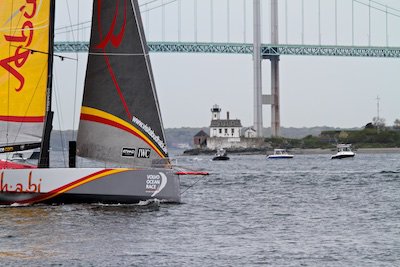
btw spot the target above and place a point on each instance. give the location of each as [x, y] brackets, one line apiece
[120, 116]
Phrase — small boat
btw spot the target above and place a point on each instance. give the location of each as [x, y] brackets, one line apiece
[343, 151]
[18, 157]
[280, 154]
[221, 155]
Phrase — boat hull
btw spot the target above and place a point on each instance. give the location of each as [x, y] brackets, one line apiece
[280, 157]
[87, 185]
[221, 158]
[343, 156]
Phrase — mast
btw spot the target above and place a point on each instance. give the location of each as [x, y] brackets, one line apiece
[44, 159]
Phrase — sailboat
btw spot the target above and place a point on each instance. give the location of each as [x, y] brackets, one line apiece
[120, 121]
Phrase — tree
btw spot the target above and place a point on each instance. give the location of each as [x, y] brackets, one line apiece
[378, 122]
[369, 125]
[397, 124]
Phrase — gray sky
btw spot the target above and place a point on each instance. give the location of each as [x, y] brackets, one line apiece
[315, 91]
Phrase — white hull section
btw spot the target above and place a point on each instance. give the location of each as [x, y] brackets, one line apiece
[344, 154]
[62, 185]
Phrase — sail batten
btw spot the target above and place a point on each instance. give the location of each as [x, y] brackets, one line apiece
[120, 117]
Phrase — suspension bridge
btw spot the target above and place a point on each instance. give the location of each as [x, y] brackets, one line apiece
[266, 29]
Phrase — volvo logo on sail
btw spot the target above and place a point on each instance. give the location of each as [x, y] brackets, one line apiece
[128, 152]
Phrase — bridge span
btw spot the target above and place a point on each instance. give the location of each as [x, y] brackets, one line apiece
[247, 48]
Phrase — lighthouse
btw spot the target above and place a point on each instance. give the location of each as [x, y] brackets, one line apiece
[225, 128]
[215, 112]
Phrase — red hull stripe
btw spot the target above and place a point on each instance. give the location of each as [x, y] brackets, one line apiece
[22, 119]
[94, 118]
[65, 188]
[4, 164]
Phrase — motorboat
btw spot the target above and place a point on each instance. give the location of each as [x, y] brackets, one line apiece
[221, 155]
[343, 151]
[18, 157]
[280, 154]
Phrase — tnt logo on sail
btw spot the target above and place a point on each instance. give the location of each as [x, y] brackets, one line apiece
[143, 153]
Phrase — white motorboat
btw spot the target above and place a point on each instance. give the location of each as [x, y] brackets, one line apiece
[343, 151]
[280, 154]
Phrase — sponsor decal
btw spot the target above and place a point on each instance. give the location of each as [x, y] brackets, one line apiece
[128, 152]
[113, 36]
[26, 187]
[143, 153]
[155, 183]
[6, 149]
[23, 37]
[151, 133]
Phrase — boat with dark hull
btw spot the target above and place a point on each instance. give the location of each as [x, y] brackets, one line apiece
[221, 155]
[120, 120]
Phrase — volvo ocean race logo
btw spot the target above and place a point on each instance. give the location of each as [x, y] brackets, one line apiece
[155, 183]
[128, 152]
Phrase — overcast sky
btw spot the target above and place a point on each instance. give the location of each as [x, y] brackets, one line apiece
[315, 91]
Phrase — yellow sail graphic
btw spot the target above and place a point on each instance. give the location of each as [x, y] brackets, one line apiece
[24, 45]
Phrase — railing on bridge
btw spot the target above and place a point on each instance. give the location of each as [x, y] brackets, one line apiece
[241, 48]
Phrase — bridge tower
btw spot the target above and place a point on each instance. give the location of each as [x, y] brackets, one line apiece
[258, 122]
[259, 98]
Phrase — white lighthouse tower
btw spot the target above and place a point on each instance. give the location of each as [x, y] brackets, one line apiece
[215, 112]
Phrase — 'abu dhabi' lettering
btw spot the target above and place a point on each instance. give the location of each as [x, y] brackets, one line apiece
[27, 187]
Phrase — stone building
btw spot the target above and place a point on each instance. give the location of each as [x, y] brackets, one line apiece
[200, 139]
[225, 128]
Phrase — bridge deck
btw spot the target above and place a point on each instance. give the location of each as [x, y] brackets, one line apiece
[243, 48]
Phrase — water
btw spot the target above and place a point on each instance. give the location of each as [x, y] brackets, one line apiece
[308, 211]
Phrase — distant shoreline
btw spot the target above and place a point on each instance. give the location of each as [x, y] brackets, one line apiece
[295, 151]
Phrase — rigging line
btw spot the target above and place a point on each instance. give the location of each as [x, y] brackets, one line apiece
[73, 30]
[149, 70]
[46, 53]
[31, 100]
[378, 3]
[76, 78]
[150, 9]
[73, 25]
[9, 84]
[198, 180]
[384, 11]
[59, 115]
[9, 74]
[149, 2]
[70, 20]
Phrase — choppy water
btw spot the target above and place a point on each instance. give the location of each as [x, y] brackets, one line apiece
[309, 211]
